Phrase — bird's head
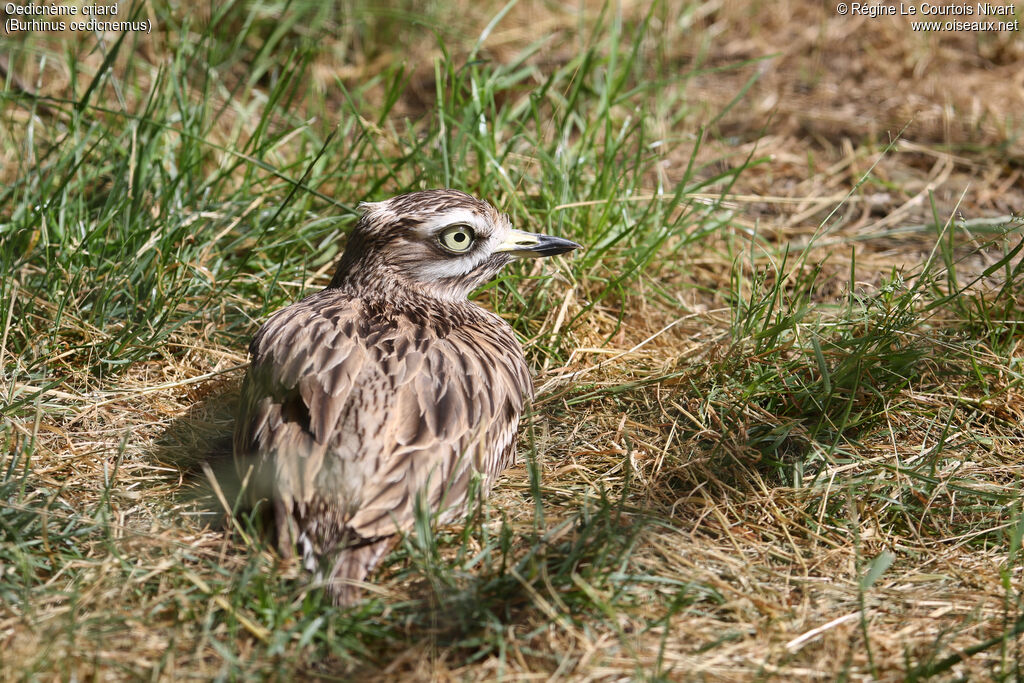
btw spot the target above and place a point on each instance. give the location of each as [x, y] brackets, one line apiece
[441, 242]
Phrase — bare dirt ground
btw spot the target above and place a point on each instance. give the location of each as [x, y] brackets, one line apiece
[838, 88]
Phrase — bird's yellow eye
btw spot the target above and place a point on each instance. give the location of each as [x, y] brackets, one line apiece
[457, 238]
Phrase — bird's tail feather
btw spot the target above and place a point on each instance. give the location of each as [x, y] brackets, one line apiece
[339, 564]
[351, 565]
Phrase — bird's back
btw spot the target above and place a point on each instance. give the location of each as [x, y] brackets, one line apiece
[355, 405]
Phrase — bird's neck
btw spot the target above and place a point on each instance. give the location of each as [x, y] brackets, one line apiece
[386, 283]
[363, 276]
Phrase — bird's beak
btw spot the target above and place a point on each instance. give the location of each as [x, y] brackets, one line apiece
[532, 245]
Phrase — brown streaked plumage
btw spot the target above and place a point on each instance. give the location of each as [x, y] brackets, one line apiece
[387, 385]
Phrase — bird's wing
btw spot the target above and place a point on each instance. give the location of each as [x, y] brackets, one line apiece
[352, 418]
[304, 363]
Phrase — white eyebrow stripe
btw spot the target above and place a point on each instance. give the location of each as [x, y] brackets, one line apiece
[452, 217]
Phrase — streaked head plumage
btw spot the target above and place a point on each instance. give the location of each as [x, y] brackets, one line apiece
[442, 242]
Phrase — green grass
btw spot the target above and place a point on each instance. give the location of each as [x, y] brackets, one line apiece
[765, 444]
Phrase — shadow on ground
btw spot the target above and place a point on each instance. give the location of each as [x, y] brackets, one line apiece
[199, 444]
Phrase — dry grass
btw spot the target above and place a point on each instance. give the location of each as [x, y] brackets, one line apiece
[672, 540]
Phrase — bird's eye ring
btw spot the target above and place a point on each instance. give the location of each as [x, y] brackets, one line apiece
[457, 238]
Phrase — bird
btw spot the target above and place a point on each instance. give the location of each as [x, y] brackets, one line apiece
[387, 389]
